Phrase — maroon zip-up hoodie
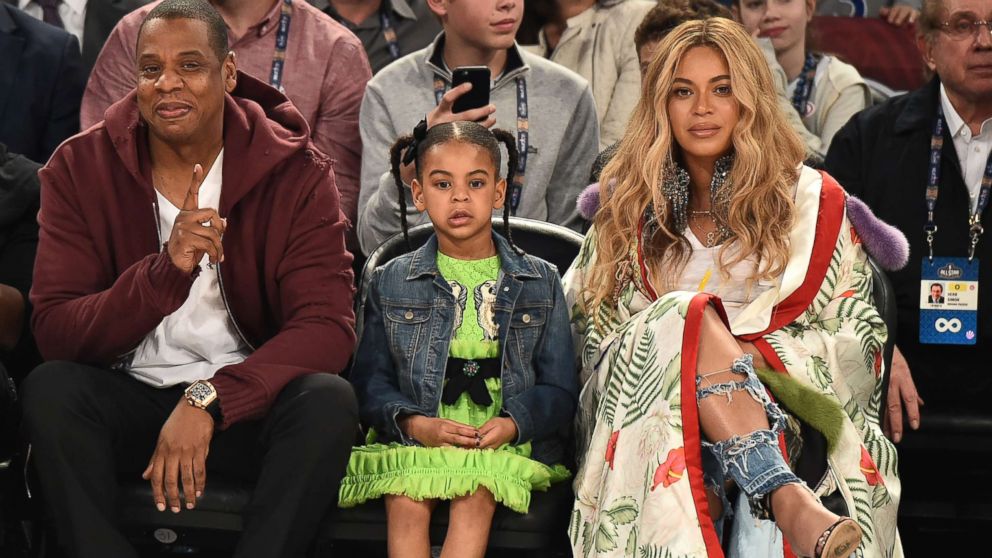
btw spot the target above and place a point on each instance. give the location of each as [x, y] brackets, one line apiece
[103, 280]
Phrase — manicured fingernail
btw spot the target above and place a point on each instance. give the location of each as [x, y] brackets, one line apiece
[896, 437]
[199, 493]
[175, 509]
[160, 506]
[222, 258]
[915, 424]
[189, 505]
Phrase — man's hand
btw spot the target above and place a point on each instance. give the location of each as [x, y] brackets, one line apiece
[181, 453]
[190, 237]
[442, 113]
[438, 432]
[497, 431]
[899, 15]
[902, 394]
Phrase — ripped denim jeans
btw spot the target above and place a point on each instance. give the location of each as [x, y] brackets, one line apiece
[754, 462]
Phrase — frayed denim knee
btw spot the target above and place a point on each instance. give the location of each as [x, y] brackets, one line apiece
[754, 461]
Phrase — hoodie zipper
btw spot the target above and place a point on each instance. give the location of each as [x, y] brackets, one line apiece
[227, 307]
[124, 361]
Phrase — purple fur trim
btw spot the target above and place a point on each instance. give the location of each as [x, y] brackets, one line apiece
[883, 242]
[588, 201]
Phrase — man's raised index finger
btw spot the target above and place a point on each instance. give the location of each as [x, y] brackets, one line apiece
[192, 200]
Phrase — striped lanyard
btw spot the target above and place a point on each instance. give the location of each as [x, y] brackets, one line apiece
[804, 88]
[933, 189]
[282, 39]
[523, 140]
[389, 33]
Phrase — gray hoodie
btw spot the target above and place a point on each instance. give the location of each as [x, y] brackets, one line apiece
[564, 136]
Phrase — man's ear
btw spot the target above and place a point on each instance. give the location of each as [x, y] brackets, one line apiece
[924, 43]
[230, 72]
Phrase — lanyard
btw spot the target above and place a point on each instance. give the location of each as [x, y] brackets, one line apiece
[933, 189]
[282, 39]
[389, 34]
[523, 139]
[805, 85]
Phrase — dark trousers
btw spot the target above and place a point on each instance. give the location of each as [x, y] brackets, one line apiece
[89, 426]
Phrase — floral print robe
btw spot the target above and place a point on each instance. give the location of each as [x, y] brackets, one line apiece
[639, 489]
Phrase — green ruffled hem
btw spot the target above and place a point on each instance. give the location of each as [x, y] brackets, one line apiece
[444, 473]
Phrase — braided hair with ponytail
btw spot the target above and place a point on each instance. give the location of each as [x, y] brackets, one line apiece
[411, 148]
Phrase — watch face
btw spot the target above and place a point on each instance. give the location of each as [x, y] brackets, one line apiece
[200, 392]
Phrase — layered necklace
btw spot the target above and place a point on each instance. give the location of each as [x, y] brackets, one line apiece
[715, 236]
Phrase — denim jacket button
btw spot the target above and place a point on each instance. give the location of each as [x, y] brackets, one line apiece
[408, 315]
[526, 318]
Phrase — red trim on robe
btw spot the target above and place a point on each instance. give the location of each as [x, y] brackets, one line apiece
[830, 216]
[690, 419]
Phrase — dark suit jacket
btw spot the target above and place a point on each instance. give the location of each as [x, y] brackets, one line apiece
[41, 84]
[101, 17]
[20, 193]
[882, 156]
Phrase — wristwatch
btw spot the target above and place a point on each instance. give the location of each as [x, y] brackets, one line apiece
[202, 395]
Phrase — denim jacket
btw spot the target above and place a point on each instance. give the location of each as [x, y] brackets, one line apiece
[410, 311]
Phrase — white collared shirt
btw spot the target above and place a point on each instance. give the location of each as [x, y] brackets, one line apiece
[973, 151]
[72, 12]
[199, 339]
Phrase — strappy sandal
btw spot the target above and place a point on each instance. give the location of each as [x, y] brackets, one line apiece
[840, 540]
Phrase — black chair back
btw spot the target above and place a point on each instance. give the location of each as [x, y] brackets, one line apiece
[885, 301]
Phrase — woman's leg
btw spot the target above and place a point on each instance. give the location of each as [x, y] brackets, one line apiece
[468, 527]
[408, 527]
[742, 425]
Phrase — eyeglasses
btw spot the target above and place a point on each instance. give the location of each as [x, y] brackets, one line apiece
[965, 27]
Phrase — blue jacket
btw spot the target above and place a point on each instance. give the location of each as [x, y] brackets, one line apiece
[410, 310]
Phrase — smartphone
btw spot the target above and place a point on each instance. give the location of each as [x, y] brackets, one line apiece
[478, 96]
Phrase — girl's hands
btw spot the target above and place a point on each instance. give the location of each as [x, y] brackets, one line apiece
[497, 431]
[438, 432]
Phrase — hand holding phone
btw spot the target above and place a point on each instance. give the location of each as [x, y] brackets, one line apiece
[468, 99]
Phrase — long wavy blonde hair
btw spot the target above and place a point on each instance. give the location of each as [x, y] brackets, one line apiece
[767, 160]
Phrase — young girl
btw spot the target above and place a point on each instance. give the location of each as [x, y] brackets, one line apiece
[824, 91]
[465, 370]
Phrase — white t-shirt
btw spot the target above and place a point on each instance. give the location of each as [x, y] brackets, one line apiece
[199, 338]
[702, 274]
[72, 13]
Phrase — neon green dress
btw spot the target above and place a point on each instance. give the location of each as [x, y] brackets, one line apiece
[446, 473]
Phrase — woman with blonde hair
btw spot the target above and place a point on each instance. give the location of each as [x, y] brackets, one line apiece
[715, 252]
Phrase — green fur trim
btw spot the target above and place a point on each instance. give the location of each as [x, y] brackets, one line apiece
[812, 407]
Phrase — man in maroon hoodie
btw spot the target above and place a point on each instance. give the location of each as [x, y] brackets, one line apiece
[185, 317]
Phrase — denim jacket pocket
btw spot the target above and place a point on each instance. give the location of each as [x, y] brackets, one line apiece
[407, 327]
[526, 326]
